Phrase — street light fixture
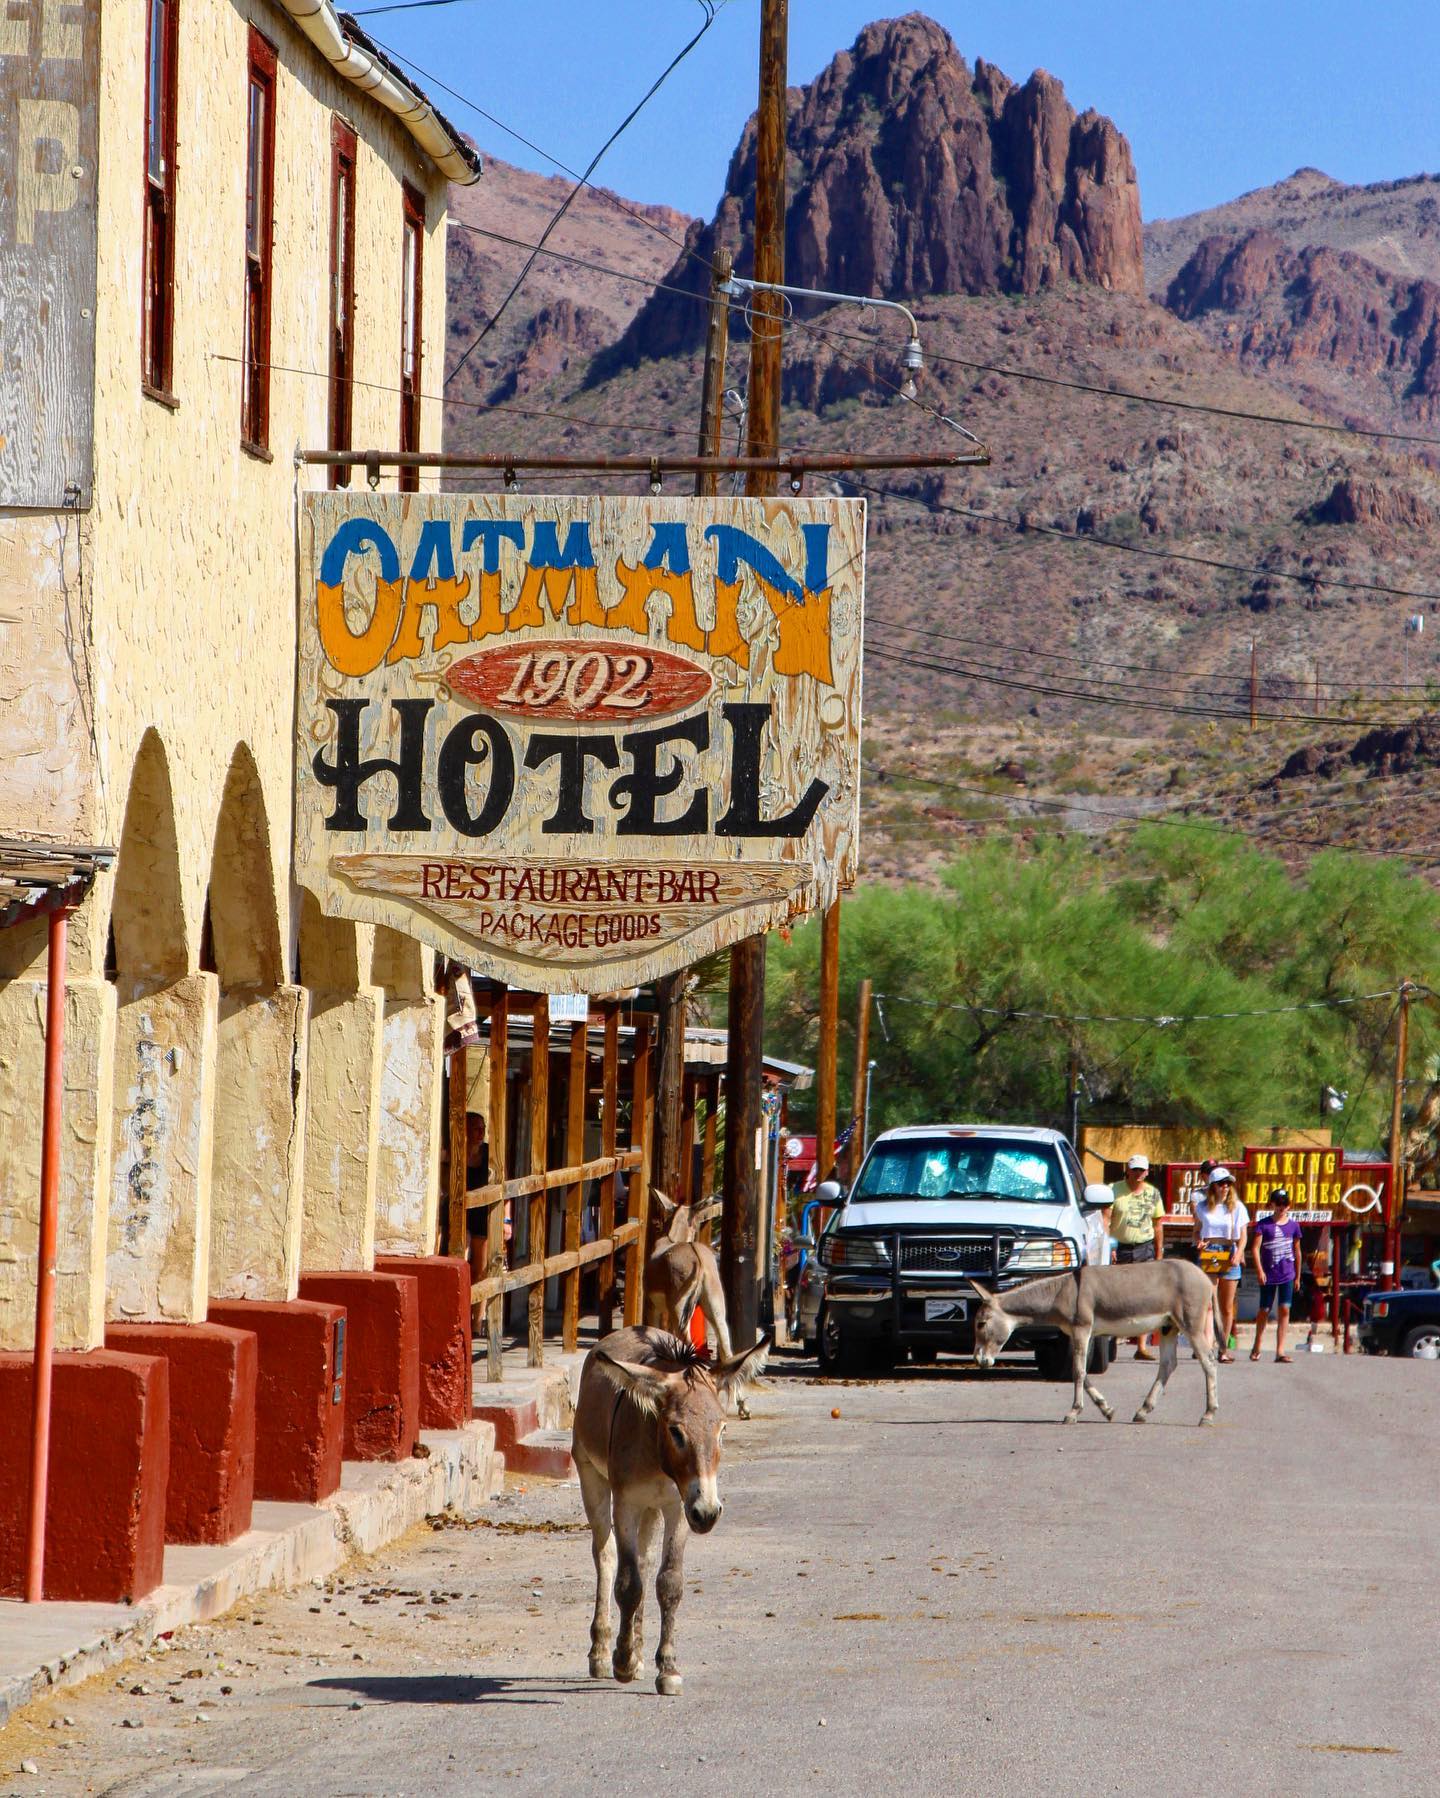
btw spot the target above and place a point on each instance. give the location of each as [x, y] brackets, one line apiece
[913, 358]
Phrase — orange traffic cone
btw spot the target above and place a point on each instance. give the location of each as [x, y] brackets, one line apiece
[697, 1329]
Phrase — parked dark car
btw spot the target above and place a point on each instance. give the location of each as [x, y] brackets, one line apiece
[1401, 1323]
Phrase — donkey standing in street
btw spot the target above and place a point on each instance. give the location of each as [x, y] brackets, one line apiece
[646, 1445]
[1126, 1299]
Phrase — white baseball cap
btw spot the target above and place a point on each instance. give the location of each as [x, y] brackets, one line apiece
[1220, 1176]
[1140, 1161]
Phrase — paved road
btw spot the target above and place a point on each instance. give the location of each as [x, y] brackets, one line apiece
[938, 1591]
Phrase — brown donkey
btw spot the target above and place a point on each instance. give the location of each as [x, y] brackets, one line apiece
[648, 1424]
[683, 1276]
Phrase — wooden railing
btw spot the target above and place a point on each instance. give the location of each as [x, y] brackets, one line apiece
[536, 1187]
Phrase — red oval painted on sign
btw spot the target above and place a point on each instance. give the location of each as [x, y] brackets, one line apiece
[581, 682]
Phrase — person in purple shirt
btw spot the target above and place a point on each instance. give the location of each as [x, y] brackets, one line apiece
[1276, 1243]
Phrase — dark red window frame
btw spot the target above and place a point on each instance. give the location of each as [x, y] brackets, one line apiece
[412, 309]
[259, 241]
[342, 291]
[157, 324]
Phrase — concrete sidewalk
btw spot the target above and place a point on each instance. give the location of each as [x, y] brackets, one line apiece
[47, 1645]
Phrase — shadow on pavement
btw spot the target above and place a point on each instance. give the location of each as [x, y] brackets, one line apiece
[453, 1688]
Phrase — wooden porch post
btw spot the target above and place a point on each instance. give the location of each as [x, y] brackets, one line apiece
[642, 1136]
[495, 1217]
[610, 1089]
[574, 1196]
[536, 1244]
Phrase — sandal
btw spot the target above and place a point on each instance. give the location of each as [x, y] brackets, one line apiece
[1287, 1359]
[1225, 1355]
[1254, 1354]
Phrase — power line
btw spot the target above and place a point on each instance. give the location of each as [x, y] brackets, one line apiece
[603, 193]
[1093, 697]
[666, 429]
[709, 9]
[1025, 527]
[1162, 1020]
[371, 12]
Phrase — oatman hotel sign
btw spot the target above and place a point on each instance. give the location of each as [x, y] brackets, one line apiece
[577, 743]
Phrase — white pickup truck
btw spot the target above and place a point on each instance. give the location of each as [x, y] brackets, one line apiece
[936, 1206]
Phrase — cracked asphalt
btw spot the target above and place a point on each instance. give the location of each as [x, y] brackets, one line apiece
[939, 1589]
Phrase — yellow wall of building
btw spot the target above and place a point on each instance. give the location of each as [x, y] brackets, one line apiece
[154, 682]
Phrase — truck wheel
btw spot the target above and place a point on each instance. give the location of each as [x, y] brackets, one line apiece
[1102, 1353]
[1055, 1360]
[1422, 1343]
[836, 1350]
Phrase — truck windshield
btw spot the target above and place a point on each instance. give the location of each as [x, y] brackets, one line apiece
[962, 1167]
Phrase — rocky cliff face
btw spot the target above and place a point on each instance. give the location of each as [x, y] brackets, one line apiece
[909, 175]
[1319, 313]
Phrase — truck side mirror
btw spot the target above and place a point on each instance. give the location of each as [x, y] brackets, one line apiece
[1097, 1197]
[830, 1192]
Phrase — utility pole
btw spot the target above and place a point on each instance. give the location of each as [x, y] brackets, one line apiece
[740, 1240]
[670, 992]
[826, 1061]
[1254, 684]
[1390, 1261]
[862, 1077]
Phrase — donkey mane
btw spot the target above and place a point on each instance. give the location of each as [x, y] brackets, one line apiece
[1041, 1293]
[668, 1347]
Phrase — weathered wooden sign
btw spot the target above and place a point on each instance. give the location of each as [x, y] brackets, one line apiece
[49, 100]
[578, 743]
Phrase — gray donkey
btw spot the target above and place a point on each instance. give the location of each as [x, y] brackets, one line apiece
[684, 1275]
[1125, 1299]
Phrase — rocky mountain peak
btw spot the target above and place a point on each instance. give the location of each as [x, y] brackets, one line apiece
[911, 175]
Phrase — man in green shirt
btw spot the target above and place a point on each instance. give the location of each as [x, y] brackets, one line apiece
[1136, 1223]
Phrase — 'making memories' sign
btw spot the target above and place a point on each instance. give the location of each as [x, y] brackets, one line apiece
[578, 743]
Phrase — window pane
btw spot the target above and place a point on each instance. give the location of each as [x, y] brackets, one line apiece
[407, 303]
[255, 197]
[156, 96]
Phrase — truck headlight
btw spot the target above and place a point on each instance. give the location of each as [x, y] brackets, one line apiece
[1042, 1254]
[857, 1251]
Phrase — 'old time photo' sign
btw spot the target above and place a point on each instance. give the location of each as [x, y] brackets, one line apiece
[578, 743]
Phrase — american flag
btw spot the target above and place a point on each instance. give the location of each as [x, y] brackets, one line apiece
[812, 1179]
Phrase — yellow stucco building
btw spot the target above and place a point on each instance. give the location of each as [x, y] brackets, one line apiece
[251, 1090]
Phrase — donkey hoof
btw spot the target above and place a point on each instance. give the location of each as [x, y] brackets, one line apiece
[1141, 1417]
[1108, 1413]
[625, 1672]
[599, 1666]
[669, 1685]
[742, 1409]
[1208, 1418]
[1071, 1417]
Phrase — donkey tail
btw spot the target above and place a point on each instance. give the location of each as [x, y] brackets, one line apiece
[685, 1304]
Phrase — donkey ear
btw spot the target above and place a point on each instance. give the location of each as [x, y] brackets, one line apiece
[644, 1385]
[741, 1371]
[980, 1292]
[667, 1205]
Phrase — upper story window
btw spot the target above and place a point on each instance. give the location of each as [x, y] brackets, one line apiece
[158, 320]
[411, 301]
[259, 236]
[342, 291]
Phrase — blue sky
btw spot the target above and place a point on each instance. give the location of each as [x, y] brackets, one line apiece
[1215, 98]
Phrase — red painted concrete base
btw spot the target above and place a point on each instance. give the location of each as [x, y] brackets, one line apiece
[212, 1424]
[382, 1360]
[445, 1371]
[109, 1454]
[299, 1395]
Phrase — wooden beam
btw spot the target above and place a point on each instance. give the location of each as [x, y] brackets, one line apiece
[574, 1149]
[707, 1150]
[539, 1154]
[495, 1223]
